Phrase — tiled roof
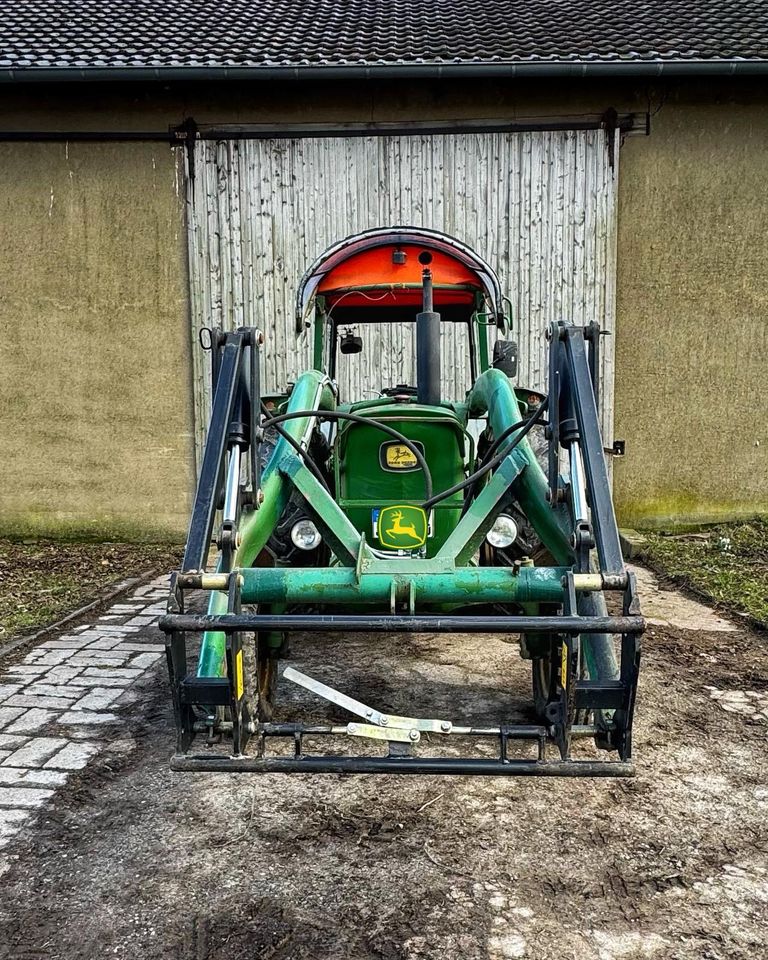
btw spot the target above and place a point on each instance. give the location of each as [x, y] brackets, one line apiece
[99, 34]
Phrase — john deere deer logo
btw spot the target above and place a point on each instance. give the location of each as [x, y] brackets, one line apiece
[402, 527]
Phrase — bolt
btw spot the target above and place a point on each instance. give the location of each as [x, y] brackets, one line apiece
[445, 726]
[259, 497]
[383, 720]
[368, 714]
[413, 734]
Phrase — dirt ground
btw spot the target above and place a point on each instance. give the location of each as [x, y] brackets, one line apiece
[43, 580]
[134, 861]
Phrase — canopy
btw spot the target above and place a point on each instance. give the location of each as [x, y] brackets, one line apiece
[460, 261]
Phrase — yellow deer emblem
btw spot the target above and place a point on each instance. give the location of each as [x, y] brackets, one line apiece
[402, 529]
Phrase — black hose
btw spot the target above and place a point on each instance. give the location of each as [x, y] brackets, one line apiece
[311, 464]
[528, 425]
[497, 443]
[354, 418]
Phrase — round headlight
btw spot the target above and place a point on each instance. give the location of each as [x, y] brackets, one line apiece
[503, 533]
[305, 535]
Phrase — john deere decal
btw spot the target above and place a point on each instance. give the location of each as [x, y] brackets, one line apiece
[396, 456]
[403, 527]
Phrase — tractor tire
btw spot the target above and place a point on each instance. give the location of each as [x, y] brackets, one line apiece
[267, 659]
[541, 681]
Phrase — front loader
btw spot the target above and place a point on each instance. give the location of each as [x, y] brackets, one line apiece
[408, 512]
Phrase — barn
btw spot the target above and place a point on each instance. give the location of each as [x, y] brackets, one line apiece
[170, 166]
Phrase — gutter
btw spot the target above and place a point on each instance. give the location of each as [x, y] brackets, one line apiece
[423, 71]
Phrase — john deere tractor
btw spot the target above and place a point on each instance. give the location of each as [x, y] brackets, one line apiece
[409, 511]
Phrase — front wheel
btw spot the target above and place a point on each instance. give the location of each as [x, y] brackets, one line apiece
[267, 658]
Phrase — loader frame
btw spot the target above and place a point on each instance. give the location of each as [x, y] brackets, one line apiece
[236, 429]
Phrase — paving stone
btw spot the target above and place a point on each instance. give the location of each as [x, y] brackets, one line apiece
[112, 673]
[24, 700]
[11, 817]
[35, 752]
[113, 616]
[82, 732]
[25, 670]
[140, 646]
[62, 675]
[100, 661]
[115, 628]
[95, 653]
[124, 607]
[11, 743]
[102, 680]
[104, 643]
[88, 716]
[65, 643]
[53, 658]
[73, 757]
[31, 721]
[11, 821]
[20, 776]
[46, 778]
[4, 754]
[8, 690]
[99, 698]
[81, 628]
[24, 797]
[8, 715]
[142, 620]
[145, 660]
[54, 690]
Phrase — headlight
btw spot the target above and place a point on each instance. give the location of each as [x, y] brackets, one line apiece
[305, 535]
[503, 533]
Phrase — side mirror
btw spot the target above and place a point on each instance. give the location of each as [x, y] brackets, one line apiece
[350, 343]
[505, 357]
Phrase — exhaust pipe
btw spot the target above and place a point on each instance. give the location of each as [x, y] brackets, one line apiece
[428, 347]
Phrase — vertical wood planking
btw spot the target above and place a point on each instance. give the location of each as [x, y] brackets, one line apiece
[540, 207]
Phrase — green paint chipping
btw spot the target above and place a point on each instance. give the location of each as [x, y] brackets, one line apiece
[44, 580]
[726, 564]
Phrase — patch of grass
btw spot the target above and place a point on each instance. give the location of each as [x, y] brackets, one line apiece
[726, 563]
[42, 581]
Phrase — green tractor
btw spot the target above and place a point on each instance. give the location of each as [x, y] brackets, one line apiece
[405, 512]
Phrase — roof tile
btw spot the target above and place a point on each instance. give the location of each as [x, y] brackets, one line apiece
[173, 33]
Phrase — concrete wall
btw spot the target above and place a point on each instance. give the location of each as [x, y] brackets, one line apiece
[95, 429]
[692, 342]
[95, 410]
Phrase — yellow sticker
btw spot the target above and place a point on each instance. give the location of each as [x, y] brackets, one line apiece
[564, 665]
[398, 457]
[239, 675]
[403, 527]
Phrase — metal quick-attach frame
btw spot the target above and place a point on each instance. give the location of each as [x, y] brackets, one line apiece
[573, 517]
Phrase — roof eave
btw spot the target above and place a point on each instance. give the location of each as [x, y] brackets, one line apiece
[540, 69]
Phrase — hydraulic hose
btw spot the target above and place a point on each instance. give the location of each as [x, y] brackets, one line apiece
[304, 454]
[354, 418]
[524, 426]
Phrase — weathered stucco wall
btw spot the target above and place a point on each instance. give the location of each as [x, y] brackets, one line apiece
[692, 341]
[95, 431]
[95, 410]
